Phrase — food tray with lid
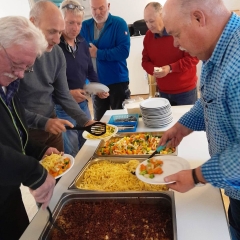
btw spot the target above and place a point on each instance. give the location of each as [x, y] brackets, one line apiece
[84, 211]
[112, 174]
[132, 145]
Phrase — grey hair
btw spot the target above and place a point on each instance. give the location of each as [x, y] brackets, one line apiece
[156, 5]
[75, 11]
[20, 31]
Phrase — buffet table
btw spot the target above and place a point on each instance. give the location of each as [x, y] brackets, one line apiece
[200, 212]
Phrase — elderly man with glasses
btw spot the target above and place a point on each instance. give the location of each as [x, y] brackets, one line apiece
[47, 85]
[79, 68]
[20, 43]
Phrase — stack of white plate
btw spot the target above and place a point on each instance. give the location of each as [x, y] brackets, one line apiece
[156, 112]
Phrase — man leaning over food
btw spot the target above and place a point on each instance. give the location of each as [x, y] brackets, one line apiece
[20, 43]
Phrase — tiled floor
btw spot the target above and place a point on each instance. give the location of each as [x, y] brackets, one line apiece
[30, 203]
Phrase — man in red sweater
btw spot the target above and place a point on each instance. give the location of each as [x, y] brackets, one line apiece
[176, 74]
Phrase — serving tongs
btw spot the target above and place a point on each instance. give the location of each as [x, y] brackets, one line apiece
[54, 224]
[158, 150]
[96, 129]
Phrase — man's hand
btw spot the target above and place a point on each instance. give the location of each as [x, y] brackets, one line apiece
[56, 125]
[183, 181]
[89, 123]
[103, 95]
[165, 71]
[175, 134]
[50, 151]
[79, 95]
[93, 50]
[44, 193]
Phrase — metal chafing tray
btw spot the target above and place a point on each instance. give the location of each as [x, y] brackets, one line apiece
[163, 200]
[121, 135]
[93, 160]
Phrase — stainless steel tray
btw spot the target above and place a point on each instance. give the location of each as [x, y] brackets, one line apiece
[93, 160]
[121, 135]
[164, 200]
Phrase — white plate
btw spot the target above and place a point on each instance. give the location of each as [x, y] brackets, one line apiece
[155, 103]
[72, 163]
[171, 165]
[86, 135]
[94, 88]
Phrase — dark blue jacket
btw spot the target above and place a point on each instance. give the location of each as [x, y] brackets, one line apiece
[79, 64]
[113, 49]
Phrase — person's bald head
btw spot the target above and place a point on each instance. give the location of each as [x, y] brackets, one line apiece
[46, 16]
[153, 17]
[195, 25]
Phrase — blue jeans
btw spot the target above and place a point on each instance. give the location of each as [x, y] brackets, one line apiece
[73, 140]
[234, 218]
[185, 98]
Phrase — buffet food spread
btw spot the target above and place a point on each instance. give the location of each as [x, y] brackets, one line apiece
[133, 144]
[116, 216]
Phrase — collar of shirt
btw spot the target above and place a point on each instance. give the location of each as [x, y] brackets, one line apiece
[11, 91]
[224, 40]
[69, 47]
[157, 35]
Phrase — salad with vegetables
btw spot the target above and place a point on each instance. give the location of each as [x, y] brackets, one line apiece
[135, 144]
[153, 166]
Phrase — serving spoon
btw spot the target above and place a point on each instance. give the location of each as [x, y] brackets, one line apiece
[96, 129]
[55, 225]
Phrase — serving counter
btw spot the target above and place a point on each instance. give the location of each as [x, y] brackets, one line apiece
[200, 212]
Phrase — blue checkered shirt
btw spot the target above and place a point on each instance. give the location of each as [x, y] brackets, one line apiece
[218, 111]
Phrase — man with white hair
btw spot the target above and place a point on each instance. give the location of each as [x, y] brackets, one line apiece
[209, 31]
[20, 43]
[47, 84]
[109, 42]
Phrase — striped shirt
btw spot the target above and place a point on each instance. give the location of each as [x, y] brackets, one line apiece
[218, 111]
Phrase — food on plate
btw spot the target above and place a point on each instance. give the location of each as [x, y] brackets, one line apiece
[56, 164]
[109, 176]
[113, 219]
[109, 131]
[136, 144]
[153, 166]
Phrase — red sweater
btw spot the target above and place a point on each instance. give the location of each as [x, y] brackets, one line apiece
[158, 52]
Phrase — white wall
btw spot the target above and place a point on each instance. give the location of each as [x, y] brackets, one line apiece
[14, 7]
[130, 10]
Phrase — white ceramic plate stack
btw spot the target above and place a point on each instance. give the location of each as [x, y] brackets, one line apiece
[156, 112]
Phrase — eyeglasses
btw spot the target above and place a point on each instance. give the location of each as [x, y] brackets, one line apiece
[14, 66]
[72, 6]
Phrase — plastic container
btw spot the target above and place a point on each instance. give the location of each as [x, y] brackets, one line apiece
[125, 122]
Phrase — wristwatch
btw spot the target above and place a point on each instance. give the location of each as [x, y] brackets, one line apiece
[195, 179]
[170, 68]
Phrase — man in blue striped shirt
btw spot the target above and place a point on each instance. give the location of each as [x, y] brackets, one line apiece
[207, 30]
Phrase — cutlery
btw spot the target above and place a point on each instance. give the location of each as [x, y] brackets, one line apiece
[96, 129]
[125, 126]
[159, 149]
